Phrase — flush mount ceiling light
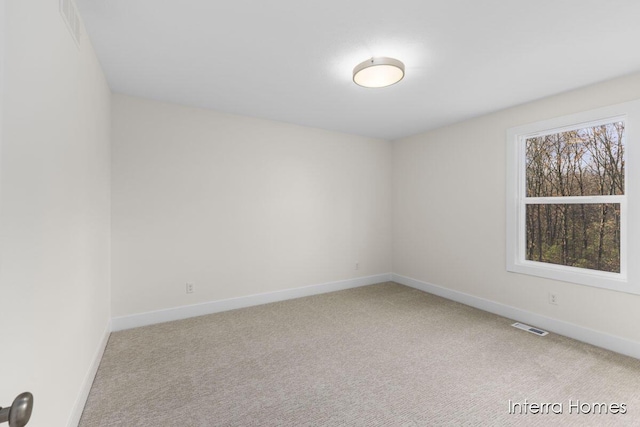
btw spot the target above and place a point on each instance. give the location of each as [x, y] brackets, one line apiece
[378, 72]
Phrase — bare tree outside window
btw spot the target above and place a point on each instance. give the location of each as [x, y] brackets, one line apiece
[588, 161]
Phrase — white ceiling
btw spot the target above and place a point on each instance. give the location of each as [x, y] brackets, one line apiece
[291, 60]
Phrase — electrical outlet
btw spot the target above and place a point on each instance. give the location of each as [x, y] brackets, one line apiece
[191, 288]
[553, 298]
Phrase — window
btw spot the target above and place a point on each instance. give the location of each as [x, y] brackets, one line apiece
[567, 198]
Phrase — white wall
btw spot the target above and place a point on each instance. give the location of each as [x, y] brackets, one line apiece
[449, 215]
[54, 220]
[239, 206]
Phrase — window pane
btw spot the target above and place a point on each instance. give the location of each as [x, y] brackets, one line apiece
[582, 162]
[586, 236]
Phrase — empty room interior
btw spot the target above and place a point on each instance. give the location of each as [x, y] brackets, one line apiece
[287, 213]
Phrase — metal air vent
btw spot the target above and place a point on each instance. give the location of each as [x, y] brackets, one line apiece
[531, 329]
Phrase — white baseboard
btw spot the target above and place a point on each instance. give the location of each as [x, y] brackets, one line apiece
[187, 311]
[560, 327]
[81, 400]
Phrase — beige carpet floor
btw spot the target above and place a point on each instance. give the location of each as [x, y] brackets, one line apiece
[381, 355]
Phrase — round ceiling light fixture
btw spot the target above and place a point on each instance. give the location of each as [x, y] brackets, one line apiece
[378, 72]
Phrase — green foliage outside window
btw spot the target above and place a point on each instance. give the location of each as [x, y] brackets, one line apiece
[581, 162]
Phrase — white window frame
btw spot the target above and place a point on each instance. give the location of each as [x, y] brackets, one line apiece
[626, 280]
